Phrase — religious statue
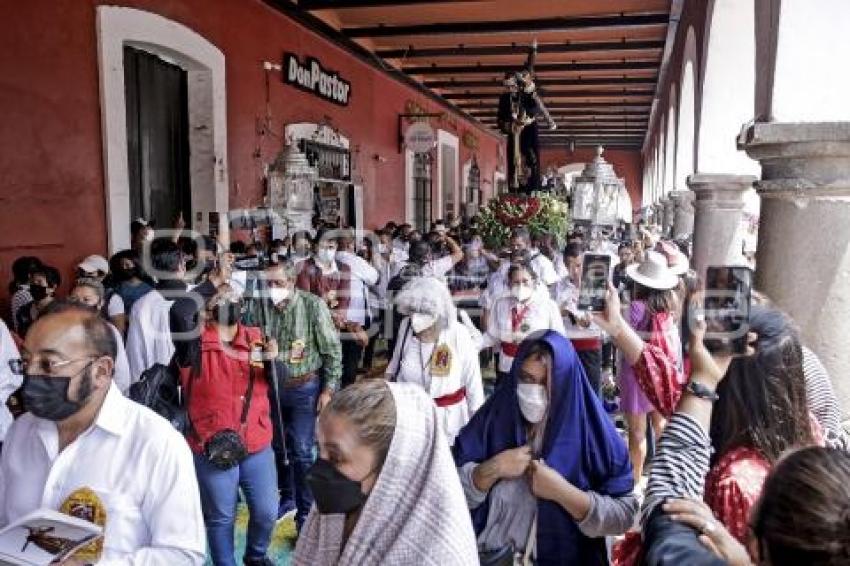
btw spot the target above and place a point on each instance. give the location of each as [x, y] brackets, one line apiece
[519, 107]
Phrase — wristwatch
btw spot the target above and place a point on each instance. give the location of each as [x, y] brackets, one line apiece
[703, 392]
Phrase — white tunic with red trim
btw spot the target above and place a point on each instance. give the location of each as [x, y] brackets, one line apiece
[447, 369]
[510, 322]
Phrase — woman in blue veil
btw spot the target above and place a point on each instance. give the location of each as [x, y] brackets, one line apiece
[542, 464]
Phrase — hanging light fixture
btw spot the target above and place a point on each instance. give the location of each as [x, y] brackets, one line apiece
[596, 192]
[291, 183]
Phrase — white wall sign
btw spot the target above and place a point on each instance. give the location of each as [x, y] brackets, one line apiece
[420, 137]
[313, 78]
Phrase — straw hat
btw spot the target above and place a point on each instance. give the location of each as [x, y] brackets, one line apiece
[653, 272]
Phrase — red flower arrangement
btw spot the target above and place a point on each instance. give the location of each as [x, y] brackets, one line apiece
[515, 210]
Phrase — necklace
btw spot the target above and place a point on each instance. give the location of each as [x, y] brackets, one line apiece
[425, 363]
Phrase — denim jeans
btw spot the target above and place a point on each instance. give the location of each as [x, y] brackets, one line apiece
[257, 477]
[298, 407]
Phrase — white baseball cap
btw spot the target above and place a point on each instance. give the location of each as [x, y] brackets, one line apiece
[94, 263]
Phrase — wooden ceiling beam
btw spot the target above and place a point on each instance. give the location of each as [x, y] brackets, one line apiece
[546, 82]
[512, 26]
[565, 145]
[601, 107]
[573, 67]
[413, 52]
[550, 94]
[312, 5]
[597, 114]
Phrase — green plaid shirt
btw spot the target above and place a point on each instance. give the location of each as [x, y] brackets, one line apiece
[305, 318]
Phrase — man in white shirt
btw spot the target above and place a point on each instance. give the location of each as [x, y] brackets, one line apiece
[363, 276]
[586, 337]
[9, 381]
[439, 267]
[544, 269]
[86, 450]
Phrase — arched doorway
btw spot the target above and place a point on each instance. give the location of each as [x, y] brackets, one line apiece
[167, 44]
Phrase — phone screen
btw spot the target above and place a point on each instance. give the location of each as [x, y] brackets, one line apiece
[595, 270]
[727, 308]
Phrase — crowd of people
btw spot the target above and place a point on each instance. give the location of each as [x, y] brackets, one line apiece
[410, 396]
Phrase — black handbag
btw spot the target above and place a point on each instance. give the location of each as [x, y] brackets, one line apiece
[500, 557]
[226, 448]
[158, 389]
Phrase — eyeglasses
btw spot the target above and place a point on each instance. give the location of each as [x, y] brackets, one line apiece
[43, 366]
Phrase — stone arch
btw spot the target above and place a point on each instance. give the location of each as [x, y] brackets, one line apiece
[204, 64]
[662, 158]
[670, 164]
[687, 115]
[727, 80]
[570, 171]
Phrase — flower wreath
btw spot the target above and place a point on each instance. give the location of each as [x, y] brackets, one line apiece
[514, 210]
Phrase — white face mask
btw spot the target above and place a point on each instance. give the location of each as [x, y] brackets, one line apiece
[420, 322]
[326, 255]
[521, 292]
[382, 249]
[533, 401]
[279, 294]
[149, 235]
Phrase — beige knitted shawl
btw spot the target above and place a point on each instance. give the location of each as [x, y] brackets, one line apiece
[416, 514]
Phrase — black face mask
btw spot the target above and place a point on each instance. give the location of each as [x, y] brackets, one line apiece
[334, 493]
[38, 292]
[227, 315]
[46, 397]
[125, 274]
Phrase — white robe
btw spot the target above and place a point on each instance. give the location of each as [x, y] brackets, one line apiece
[464, 371]
[149, 334]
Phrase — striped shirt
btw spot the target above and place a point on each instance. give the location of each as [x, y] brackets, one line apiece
[680, 464]
[822, 402]
[21, 297]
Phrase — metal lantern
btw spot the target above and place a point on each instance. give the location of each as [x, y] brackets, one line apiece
[596, 193]
[291, 182]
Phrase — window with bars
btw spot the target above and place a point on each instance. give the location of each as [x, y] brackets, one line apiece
[422, 191]
[473, 187]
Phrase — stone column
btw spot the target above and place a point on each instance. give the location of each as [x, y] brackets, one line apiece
[803, 257]
[683, 215]
[719, 209]
[669, 215]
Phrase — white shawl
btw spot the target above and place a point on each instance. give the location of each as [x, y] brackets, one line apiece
[149, 334]
[416, 514]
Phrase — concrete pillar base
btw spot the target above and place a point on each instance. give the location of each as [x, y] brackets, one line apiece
[683, 214]
[803, 257]
[719, 209]
[668, 212]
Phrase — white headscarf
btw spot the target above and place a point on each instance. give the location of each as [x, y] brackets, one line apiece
[416, 513]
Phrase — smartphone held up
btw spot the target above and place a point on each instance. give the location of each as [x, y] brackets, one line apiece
[595, 273]
[728, 293]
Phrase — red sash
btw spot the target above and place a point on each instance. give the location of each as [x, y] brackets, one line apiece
[451, 398]
[510, 349]
[586, 344]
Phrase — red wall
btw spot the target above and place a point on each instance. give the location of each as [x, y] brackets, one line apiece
[51, 166]
[627, 164]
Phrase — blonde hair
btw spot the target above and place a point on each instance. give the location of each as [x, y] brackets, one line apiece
[369, 406]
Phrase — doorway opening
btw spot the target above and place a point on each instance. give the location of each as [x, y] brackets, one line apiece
[157, 138]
